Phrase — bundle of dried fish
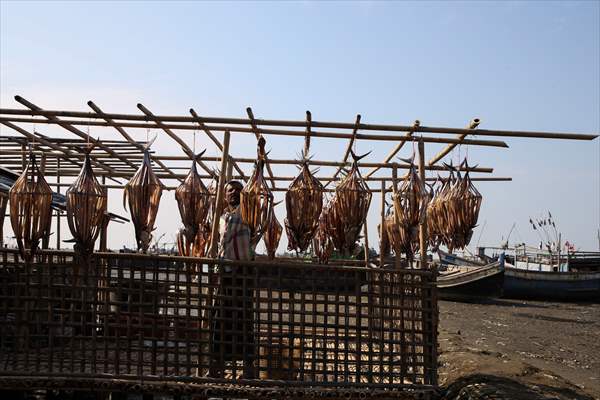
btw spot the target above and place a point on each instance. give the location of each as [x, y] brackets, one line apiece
[193, 200]
[454, 210]
[303, 204]
[322, 242]
[256, 199]
[272, 233]
[3, 204]
[348, 209]
[410, 204]
[143, 193]
[86, 208]
[30, 212]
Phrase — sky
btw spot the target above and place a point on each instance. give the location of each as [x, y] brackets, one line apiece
[515, 65]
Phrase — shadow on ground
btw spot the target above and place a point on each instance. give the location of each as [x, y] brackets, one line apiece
[489, 387]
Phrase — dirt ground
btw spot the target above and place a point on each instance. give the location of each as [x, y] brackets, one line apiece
[531, 350]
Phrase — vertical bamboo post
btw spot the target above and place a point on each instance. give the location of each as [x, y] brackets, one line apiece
[104, 231]
[58, 211]
[219, 201]
[23, 157]
[382, 231]
[366, 233]
[423, 225]
[229, 169]
[394, 189]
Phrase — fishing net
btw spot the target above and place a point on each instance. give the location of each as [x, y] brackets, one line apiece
[303, 204]
[30, 209]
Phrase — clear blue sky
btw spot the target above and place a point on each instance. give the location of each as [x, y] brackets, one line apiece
[516, 65]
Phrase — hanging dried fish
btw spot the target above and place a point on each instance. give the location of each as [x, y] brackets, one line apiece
[193, 200]
[143, 193]
[409, 207]
[256, 199]
[86, 208]
[303, 204]
[30, 212]
[322, 242]
[348, 209]
[272, 233]
[3, 204]
[454, 210]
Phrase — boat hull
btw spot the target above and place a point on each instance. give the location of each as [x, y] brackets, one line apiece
[542, 285]
[476, 285]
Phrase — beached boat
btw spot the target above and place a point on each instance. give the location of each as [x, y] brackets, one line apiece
[540, 275]
[461, 279]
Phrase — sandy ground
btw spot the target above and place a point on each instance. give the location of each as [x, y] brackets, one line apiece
[532, 350]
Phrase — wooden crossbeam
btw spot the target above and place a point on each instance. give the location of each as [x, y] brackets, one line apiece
[186, 149]
[216, 142]
[257, 134]
[395, 150]
[348, 148]
[123, 133]
[472, 126]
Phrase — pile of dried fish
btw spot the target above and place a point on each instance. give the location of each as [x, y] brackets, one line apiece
[86, 208]
[303, 204]
[143, 193]
[409, 207]
[256, 199]
[272, 233]
[322, 242]
[454, 210]
[30, 212]
[193, 200]
[348, 209]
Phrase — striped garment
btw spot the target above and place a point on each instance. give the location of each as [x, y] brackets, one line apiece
[235, 236]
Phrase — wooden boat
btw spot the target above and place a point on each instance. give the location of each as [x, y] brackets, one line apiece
[568, 277]
[466, 280]
[522, 283]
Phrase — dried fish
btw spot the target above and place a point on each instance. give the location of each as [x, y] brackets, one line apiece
[454, 210]
[322, 242]
[409, 207]
[348, 209]
[30, 212]
[86, 208]
[194, 202]
[256, 199]
[3, 204]
[143, 193]
[272, 233]
[303, 203]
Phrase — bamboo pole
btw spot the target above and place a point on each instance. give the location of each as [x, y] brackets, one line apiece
[472, 126]
[219, 201]
[394, 151]
[366, 233]
[394, 190]
[281, 132]
[423, 223]
[307, 133]
[348, 148]
[382, 232]
[186, 149]
[58, 211]
[72, 129]
[257, 133]
[123, 133]
[216, 142]
[274, 161]
[318, 124]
